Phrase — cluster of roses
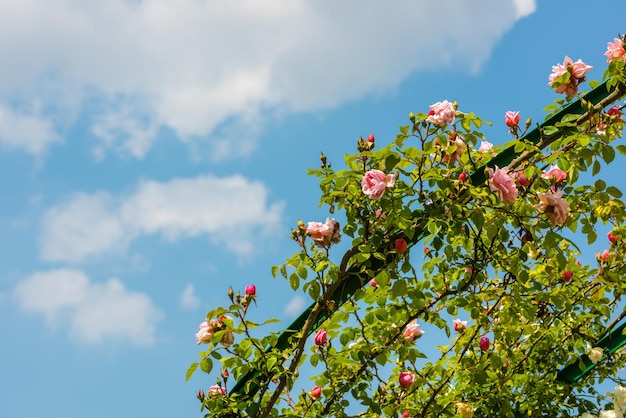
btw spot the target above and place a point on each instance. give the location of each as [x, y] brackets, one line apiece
[619, 405]
[505, 183]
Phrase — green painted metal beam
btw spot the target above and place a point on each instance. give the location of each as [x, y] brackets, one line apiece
[355, 280]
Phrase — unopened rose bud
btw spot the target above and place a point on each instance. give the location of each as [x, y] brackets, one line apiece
[401, 245]
[567, 275]
[316, 392]
[484, 344]
[612, 238]
[405, 414]
[529, 121]
[605, 255]
[200, 395]
[231, 293]
[370, 138]
[225, 374]
[321, 337]
[251, 290]
[463, 176]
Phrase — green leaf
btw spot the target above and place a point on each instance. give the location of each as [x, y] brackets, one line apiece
[391, 161]
[600, 185]
[608, 154]
[614, 191]
[206, 365]
[191, 370]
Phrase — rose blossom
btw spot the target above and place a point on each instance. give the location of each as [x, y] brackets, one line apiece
[324, 234]
[216, 390]
[619, 396]
[485, 146]
[577, 70]
[441, 113]
[511, 119]
[554, 205]
[373, 283]
[520, 178]
[614, 49]
[613, 413]
[459, 326]
[207, 329]
[554, 173]
[321, 337]
[594, 353]
[500, 181]
[615, 112]
[316, 392]
[406, 379]
[412, 331]
[251, 290]
[375, 182]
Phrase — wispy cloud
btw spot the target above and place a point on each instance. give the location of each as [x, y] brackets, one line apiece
[94, 312]
[188, 299]
[91, 225]
[295, 306]
[29, 132]
[193, 66]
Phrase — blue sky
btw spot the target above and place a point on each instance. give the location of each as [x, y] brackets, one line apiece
[154, 153]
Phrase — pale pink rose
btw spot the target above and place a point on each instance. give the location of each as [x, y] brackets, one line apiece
[485, 146]
[216, 390]
[500, 181]
[375, 182]
[520, 178]
[578, 71]
[553, 204]
[323, 234]
[207, 329]
[554, 173]
[406, 379]
[459, 326]
[412, 331]
[511, 119]
[614, 49]
[441, 113]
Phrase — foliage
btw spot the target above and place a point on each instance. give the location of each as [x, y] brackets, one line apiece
[499, 284]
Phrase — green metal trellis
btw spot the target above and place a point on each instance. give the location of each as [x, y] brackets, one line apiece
[600, 97]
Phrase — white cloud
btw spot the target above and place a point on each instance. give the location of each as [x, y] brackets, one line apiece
[525, 7]
[188, 299]
[231, 211]
[94, 312]
[29, 132]
[295, 306]
[191, 66]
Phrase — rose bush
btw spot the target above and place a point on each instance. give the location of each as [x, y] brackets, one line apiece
[497, 243]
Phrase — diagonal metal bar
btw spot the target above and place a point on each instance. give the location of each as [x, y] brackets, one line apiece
[601, 96]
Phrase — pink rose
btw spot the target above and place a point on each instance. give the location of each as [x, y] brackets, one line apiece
[375, 182]
[485, 146]
[412, 331]
[501, 182]
[578, 71]
[251, 290]
[324, 234]
[511, 119]
[459, 326]
[605, 255]
[216, 390]
[615, 112]
[321, 337]
[614, 49]
[554, 205]
[484, 344]
[406, 379]
[207, 329]
[316, 392]
[441, 113]
[373, 283]
[555, 173]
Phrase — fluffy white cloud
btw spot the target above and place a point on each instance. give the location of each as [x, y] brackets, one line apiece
[188, 298]
[25, 131]
[95, 312]
[231, 211]
[191, 65]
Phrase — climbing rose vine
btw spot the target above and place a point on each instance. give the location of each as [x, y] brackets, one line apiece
[496, 314]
